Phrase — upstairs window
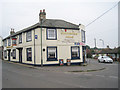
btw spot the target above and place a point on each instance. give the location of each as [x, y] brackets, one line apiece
[14, 54]
[29, 54]
[28, 36]
[14, 41]
[20, 38]
[51, 34]
[51, 53]
[9, 42]
[5, 43]
[83, 36]
[75, 52]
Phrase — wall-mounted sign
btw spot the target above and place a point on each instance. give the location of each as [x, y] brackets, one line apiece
[69, 33]
[79, 43]
[69, 37]
[36, 36]
[9, 46]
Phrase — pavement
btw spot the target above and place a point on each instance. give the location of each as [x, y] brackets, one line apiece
[90, 66]
[81, 68]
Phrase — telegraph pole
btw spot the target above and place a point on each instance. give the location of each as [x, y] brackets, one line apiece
[95, 42]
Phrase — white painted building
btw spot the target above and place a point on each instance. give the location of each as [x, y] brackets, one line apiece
[59, 40]
[1, 43]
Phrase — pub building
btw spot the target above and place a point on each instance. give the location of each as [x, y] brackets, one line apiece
[48, 42]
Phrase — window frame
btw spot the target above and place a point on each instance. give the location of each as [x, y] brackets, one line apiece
[14, 57]
[27, 36]
[14, 41]
[48, 38]
[27, 53]
[5, 43]
[72, 58]
[52, 59]
[5, 54]
[83, 36]
[20, 38]
[9, 42]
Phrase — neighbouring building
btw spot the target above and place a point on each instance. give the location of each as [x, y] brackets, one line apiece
[54, 39]
[112, 53]
[1, 48]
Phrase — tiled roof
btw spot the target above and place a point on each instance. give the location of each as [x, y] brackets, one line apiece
[109, 51]
[49, 23]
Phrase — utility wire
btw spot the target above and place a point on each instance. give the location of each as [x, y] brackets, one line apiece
[102, 15]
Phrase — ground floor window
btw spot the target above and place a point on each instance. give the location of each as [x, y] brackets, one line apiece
[5, 54]
[51, 53]
[29, 54]
[14, 54]
[75, 52]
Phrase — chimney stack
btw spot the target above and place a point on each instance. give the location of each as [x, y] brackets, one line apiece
[108, 46]
[42, 15]
[12, 31]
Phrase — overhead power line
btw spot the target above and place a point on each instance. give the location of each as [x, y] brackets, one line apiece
[102, 15]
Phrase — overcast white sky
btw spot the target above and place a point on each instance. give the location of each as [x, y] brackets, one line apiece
[19, 14]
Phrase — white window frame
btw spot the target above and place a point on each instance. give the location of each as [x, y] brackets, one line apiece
[9, 42]
[49, 50]
[20, 38]
[83, 36]
[29, 36]
[50, 35]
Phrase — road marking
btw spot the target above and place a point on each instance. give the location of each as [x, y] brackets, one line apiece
[113, 77]
[88, 74]
[100, 75]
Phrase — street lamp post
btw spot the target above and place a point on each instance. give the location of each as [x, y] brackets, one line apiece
[41, 44]
[102, 42]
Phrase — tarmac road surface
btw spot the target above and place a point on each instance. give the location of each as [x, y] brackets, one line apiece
[21, 76]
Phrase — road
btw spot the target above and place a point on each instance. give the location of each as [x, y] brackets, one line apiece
[20, 76]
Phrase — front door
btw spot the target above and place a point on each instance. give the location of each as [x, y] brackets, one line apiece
[8, 55]
[20, 55]
[83, 50]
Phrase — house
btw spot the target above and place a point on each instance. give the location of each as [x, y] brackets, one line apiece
[46, 43]
[112, 53]
[1, 48]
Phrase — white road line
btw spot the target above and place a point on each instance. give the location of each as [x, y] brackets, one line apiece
[113, 77]
[88, 74]
[100, 75]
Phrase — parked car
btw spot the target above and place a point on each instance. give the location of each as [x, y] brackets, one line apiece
[105, 59]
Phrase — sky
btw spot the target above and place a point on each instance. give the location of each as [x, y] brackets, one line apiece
[20, 14]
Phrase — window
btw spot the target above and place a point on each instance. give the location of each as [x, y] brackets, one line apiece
[51, 53]
[9, 42]
[20, 38]
[51, 34]
[14, 54]
[14, 41]
[28, 36]
[75, 52]
[29, 54]
[5, 54]
[5, 43]
[83, 36]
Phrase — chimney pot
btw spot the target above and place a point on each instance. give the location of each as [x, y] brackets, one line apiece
[43, 10]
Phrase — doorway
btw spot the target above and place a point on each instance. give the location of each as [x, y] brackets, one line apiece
[84, 52]
[20, 55]
[9, 55]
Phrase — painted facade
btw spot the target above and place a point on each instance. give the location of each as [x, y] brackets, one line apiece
[57, 43]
